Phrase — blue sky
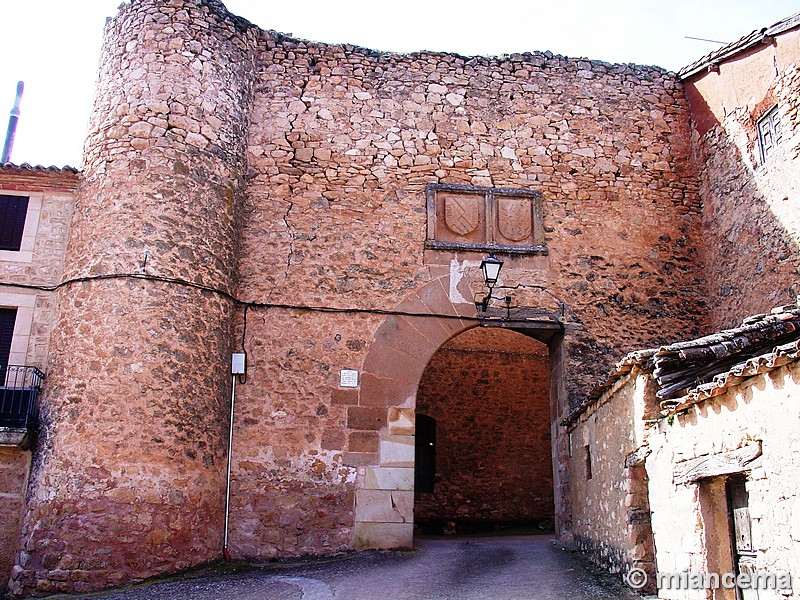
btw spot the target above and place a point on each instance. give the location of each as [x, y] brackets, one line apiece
[53, 45]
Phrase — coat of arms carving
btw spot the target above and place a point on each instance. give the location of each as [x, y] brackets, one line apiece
[462, 214]
[514, 218]
[470, 218]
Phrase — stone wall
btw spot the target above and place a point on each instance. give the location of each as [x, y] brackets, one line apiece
[492, 411]
[39, 262]
[752, 254]
[686, 517]
[14, 466]
[608, 488]
[341, 145]
[225, 164]
[635, 474]
[343, 141]
[293, 490]
[128, 479]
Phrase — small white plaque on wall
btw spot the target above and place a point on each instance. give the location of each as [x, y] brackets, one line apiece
[348, 378]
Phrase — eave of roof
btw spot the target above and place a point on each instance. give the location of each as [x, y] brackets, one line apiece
[758, 365]
[740, 352]
[25, 167]
[755, 38]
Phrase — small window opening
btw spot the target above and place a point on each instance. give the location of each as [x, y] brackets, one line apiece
[588, 455]
[569, 444]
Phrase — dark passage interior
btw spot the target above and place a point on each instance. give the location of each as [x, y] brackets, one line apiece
[483, 458]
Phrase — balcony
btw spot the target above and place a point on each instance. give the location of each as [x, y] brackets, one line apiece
[18, 402]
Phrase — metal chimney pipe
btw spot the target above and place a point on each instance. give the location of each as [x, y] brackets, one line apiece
[12, 125]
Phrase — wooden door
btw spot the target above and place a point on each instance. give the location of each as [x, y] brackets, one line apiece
[744, 555]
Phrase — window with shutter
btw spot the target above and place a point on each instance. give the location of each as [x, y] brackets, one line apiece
[13, 210]
[770, 133]
[8, 317]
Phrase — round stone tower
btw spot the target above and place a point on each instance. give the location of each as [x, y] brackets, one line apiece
[129, 474]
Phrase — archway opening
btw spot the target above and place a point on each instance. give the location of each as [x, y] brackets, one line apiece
[483, 458]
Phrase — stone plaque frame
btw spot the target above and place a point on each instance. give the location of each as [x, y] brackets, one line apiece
[484, 219]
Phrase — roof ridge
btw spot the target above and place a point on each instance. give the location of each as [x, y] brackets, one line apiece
[757, 36]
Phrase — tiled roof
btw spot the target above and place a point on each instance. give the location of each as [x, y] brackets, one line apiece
[66, 169]
[780, 356]
[681, 368]
[759, 36]
[690, 372]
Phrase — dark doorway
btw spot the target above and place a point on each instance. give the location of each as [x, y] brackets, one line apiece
[425, 454]
[8, 317]
[483, 423]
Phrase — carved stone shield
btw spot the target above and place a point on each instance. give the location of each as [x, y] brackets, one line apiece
[462, 214]
[514, 218]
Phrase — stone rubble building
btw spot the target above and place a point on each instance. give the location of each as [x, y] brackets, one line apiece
[324, 209]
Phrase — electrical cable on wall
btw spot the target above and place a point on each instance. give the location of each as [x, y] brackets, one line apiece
[242, 376]
[251, 304]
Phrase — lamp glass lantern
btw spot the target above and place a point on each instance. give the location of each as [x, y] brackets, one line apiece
[490, 267]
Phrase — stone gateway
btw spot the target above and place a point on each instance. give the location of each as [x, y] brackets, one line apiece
[324, 211]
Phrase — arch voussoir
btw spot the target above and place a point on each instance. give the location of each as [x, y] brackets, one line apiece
[399, 352]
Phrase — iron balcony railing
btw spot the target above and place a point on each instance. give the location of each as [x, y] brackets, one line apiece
[19, 395]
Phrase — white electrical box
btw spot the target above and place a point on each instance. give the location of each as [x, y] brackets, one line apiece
[237, 363]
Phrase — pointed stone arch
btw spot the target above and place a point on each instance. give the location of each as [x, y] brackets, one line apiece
[399, 352]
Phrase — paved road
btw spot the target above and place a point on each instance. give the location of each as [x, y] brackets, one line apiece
[453, 568]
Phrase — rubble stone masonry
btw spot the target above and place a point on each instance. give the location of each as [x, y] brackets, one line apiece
[228, 165]
[14, 467]
[341, 145]
[749, 204]
[492, 412]
[128, 478]
[343, 140]
[608, 481]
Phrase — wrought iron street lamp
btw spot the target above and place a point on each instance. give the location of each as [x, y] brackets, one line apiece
[490, 268]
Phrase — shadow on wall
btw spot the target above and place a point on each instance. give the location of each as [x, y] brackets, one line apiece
[752, 247]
